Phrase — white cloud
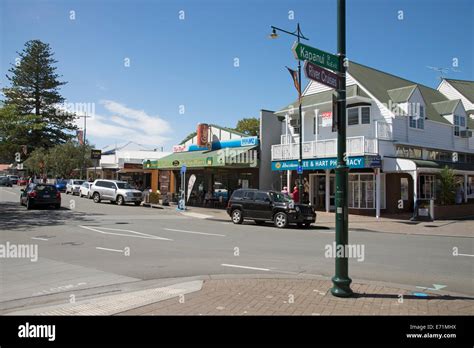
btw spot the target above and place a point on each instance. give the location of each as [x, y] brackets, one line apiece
[126, 124]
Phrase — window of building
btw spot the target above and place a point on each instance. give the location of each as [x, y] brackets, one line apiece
[365, 115]
[418, 121]
[358, 115]
[362, 191]
[426, 186]
[459, 121]
[408, 152]
[352, 116]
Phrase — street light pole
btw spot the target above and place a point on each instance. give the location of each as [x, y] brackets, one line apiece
[341, 278]
[299, 36]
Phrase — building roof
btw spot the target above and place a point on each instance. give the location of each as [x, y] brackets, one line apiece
[230, 130]
[465, 87]
[402, 94]
[322, 97]
[446, 107]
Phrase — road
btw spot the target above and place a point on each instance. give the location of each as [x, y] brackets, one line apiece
[85, 245]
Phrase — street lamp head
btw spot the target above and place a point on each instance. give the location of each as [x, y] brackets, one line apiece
[274, 34]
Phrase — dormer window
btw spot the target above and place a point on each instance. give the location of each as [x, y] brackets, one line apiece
[418, 121]
[358, 115]
[459, 121]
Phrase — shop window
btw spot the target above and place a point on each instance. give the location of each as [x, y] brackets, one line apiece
[362, 189]
[426, 186]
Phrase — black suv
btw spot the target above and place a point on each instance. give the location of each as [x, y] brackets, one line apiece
[261, 206]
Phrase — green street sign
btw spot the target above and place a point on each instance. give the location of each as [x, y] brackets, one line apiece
[315, 56]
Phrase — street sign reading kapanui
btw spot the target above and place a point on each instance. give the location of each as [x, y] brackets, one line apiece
[315, 56]
[321, 75]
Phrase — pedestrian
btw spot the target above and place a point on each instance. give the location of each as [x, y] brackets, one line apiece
[295, 195]
[285, 190]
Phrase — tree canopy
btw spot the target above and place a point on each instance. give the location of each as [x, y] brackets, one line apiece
[249, 126]
[35, 99]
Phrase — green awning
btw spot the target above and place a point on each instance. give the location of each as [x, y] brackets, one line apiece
[235, 157]
[441, 164]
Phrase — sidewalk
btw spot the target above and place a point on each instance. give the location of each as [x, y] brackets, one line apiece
[283, 296]
[452, 228]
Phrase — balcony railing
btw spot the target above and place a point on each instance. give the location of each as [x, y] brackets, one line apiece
[356, 146]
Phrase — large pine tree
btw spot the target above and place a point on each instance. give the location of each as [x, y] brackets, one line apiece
[35, 90]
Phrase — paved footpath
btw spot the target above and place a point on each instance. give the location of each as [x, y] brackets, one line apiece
[283, 296]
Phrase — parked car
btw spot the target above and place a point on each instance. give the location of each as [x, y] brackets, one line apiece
[84, 190]
[13, 179]
[22, 181]
[61, 185]
[73, 186]
[40, 194]
[5, 181]
[119, 192]
[262, 206]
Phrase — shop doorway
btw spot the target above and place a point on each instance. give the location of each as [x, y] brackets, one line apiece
[318, 191]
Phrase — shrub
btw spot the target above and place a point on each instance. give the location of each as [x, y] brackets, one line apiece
[154, 198]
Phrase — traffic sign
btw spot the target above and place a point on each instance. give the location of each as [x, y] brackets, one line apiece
[321, 75]
[315, 56]
[183, 169]
[299, 170]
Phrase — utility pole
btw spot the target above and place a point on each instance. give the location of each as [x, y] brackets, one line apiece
[83, 165]
[341, 278]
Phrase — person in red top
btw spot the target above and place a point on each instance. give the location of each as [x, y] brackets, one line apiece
[296, 195]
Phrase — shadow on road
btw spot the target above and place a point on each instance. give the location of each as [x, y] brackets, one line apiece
[14, 216]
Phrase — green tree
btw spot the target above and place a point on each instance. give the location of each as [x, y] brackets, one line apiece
[14, 132]
[59, 161]
[38, 162]
[67, 157]
[249, 126]
[447, 190]
[35, 90]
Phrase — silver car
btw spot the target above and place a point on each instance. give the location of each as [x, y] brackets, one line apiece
[119, 192]
[73, 186]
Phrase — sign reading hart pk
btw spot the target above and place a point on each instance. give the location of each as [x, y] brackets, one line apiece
[315, 56]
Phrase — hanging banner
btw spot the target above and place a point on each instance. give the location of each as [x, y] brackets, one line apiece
[192, 180]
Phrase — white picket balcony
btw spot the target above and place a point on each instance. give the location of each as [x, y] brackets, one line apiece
[356, 146]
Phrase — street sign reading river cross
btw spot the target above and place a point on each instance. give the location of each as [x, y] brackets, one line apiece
[321, 75]
[315, 56]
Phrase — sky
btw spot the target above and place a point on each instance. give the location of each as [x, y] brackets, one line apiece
[151, 70]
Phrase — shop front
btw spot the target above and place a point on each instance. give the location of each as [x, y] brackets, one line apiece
[366, 184]
[210, 176]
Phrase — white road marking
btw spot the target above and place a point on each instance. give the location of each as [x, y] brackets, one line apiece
[108, 249]
[12, 193]
[39, 238]
[435, 287]
[197, 215]
[194, 232]
[246, 267]
[465, 255]
[136, 235]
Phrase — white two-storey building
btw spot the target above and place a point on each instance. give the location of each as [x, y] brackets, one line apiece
[399, 135]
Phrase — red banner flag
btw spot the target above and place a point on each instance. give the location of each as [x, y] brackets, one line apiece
[294, 76]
